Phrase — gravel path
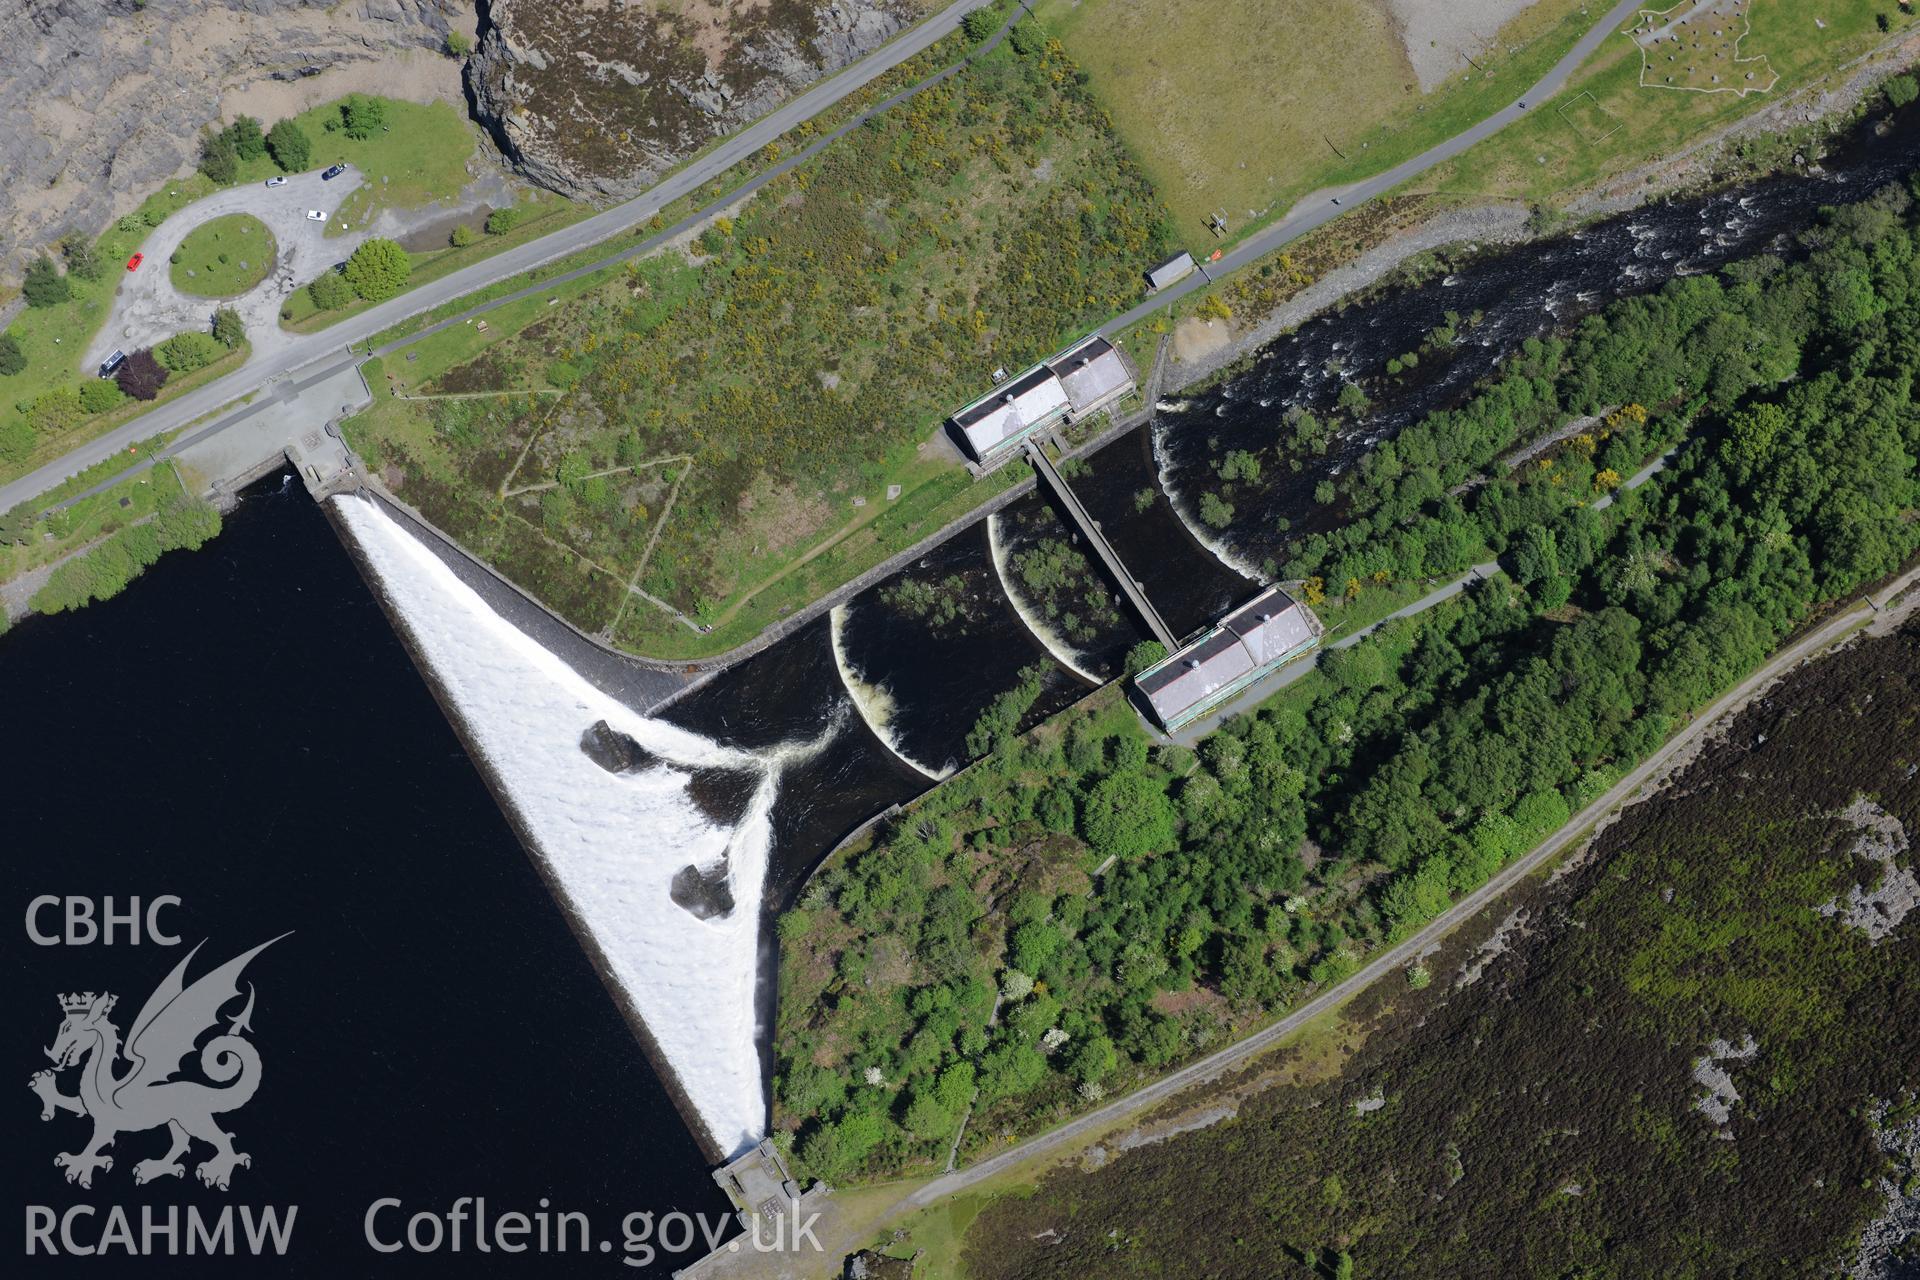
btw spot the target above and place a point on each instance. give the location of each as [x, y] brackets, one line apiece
[1441, 35]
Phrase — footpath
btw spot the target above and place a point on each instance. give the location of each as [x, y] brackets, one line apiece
[850, 1221]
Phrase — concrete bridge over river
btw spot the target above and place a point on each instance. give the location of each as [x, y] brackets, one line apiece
[1090, 529]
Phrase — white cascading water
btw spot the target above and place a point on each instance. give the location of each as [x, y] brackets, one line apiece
[612, 841]
[872, 701]
[1221, 552]
[1054, 643]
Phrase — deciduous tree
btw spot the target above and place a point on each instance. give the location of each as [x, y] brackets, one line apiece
[185, 352]
[291, 147]
[43, 285]
[378, 269]
[1128, 816]
[329, 291]
[228, 329]
[248, 142]
[218, 158]
[362, 116]
[141, 375]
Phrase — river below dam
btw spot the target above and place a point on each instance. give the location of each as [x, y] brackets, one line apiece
[870, 705]
[242, 728]
[920, 678]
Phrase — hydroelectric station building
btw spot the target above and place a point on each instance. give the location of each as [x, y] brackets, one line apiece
[1259, 637]
[1085, 378]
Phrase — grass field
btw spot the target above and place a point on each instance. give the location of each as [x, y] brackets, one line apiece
[1244, 106]
[223, 258]
[543, 214]
[1694, 48]
[801, 355]
[1607, 121]
[420, 156]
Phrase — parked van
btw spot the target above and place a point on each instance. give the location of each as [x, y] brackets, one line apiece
[111, 363]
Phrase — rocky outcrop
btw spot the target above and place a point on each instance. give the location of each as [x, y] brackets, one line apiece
[614, 751]
[104, 99]
[704, 892]
[599, 97]
[870, 1264]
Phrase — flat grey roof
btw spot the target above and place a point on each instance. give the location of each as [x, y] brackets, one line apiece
[991, 403]
[1177, 267]
[1270, 625]
[1264, 630]
[1092, 373]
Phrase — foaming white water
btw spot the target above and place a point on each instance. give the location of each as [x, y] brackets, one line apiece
[612, 841]
[874, 702]
[1054, 643]
[1221, 552]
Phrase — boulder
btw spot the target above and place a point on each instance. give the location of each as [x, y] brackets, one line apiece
[614, 751]
[704, 892]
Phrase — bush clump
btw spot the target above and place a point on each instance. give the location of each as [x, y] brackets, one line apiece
[378, 269]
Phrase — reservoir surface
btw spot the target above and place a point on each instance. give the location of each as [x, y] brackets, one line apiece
[242, 729]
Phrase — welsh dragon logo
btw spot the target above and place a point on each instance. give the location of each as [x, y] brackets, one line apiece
[146, 1096]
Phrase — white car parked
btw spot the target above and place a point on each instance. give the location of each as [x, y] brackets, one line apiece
[316, 215]
[276, 182]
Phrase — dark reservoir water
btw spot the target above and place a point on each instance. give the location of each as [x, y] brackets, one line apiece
[938, 673]
[241, 729]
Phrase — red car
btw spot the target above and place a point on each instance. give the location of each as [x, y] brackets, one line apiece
[133, 263]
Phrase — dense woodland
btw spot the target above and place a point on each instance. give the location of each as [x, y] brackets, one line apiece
[1079, 911]
[104, 569]
[1533, 1107]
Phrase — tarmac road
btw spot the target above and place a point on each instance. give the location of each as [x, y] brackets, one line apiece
[147, 308]
[330, 344]
[1324, 206]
